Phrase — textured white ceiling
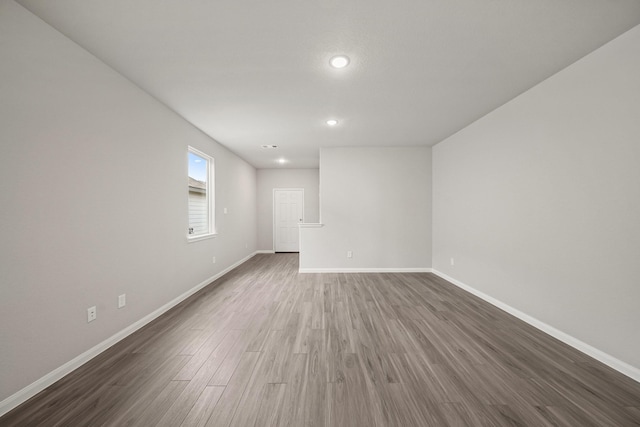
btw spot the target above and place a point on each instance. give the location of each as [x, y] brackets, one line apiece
[250, 73]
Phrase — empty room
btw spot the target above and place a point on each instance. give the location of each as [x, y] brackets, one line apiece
[294, 213]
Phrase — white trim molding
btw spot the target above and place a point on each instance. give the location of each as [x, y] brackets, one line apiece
[39, 385]
[366, 270]
[310, 225]
[265, 251]
[617, 364]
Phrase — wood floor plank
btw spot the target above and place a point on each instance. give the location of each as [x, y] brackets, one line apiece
[267, 346]
[231, 360]
[271, 406]
[293, 407]
[203, 407]
[158, 406]
[181, 406]
[144, 394]
[200, 357]
[225, 409]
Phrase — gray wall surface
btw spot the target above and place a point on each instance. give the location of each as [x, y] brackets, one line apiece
[268, 179]
[93, 202]
[539, 201]
[375, 202]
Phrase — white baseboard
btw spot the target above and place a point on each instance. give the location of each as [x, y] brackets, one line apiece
[37, 386]
[364, 270]
[617, 364]
[265, 251]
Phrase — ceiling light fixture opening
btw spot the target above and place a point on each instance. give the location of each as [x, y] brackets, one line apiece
[339, 61]
[282, 161]
[269, 146]
[332, 122]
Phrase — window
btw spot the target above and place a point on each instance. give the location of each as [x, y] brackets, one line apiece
[201, 220]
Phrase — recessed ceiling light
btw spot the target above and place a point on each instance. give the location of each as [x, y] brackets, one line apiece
[269, 146]
[282, 161]
[332, 122]
[339, 61]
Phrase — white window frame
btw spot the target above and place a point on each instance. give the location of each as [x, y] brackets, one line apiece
[210, 200]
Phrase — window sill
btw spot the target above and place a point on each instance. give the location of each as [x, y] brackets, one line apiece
[201, 237]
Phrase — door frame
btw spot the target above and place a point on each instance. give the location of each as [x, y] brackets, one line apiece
[273, 214]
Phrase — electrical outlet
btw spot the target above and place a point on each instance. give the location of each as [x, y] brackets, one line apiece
[225, 210]
[452, 262]
[122, 300]
[213, 260]
[92, 313]
[349, 254]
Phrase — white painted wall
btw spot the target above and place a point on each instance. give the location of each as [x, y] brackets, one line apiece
[93, 201]
[375, 202]
[268, 179]
[539, 201]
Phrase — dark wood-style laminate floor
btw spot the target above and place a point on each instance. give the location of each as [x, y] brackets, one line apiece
[267, 346]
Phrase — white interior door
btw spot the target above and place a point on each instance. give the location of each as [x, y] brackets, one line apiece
[288, 208]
